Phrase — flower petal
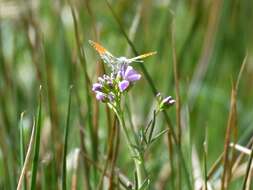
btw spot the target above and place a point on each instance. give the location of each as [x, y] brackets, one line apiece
[123, 85]
[96, 87]
[100, 96]
[134, 77]
[129, 71]
[131, 75]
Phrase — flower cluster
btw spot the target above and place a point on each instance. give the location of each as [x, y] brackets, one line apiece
[164, 103]
[110, 88]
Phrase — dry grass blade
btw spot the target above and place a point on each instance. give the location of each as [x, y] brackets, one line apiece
[27, 158]
[122, 178]
[111, 139]
[75, 170]
[241, 156]
[241, 70]
[230, 126]
[114, 154]
[240, 148]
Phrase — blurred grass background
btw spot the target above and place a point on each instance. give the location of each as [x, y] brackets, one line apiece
[41, 44]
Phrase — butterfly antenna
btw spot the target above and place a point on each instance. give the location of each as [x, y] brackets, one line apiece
[138, 61]
[143, 56]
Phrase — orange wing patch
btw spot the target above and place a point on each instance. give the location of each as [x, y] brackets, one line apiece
[100, 49]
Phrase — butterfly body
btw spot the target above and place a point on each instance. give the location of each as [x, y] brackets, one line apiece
[116, 63]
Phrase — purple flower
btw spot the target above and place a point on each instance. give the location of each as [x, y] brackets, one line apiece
[164, 103]
[96, 87]
[130, 74]
[100, 96]
[123, 85]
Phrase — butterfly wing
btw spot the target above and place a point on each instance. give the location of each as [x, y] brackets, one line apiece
[142, 56]
[105, 55]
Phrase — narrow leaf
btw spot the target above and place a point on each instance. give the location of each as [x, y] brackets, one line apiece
[64, 180]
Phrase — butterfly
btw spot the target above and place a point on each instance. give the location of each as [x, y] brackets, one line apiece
[116, 63]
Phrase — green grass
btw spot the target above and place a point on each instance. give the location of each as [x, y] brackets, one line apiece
[201, 47]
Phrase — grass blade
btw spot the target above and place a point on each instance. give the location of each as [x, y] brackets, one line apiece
[64, 182]
[230, 126]
[248, 170]
[22, 143]
[37, 143]
[27, 158]
[82, 58]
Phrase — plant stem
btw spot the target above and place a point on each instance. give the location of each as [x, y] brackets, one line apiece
[136, 154]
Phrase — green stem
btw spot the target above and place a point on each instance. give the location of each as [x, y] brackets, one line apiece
[137, 155]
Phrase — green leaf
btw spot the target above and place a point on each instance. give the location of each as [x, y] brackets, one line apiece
[159, 135]
[37, 143]
[64, 180]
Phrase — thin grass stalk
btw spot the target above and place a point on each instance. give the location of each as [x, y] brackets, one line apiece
[4, 149]
[124, 181]
[28, 21]
[27, 157]
[52, 104]
[22, 144]
[176, 79]
[75, 171]
[215, 166]
[134, 25]
[178, 107]
[205, 160]
[64, 163]
[55, 145]
[81, 134]
[87, 86]
[139, 164]
[35, 162]
[234, 128]
[247, 175]
[191, 35]
[171, 159]
[154, 90]
[241, 71]
[241, 156]
[92, 17]
[99, 70]
[85, 164]
[114, 153]
[231, 124]
[207, 50]
[111, 142]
